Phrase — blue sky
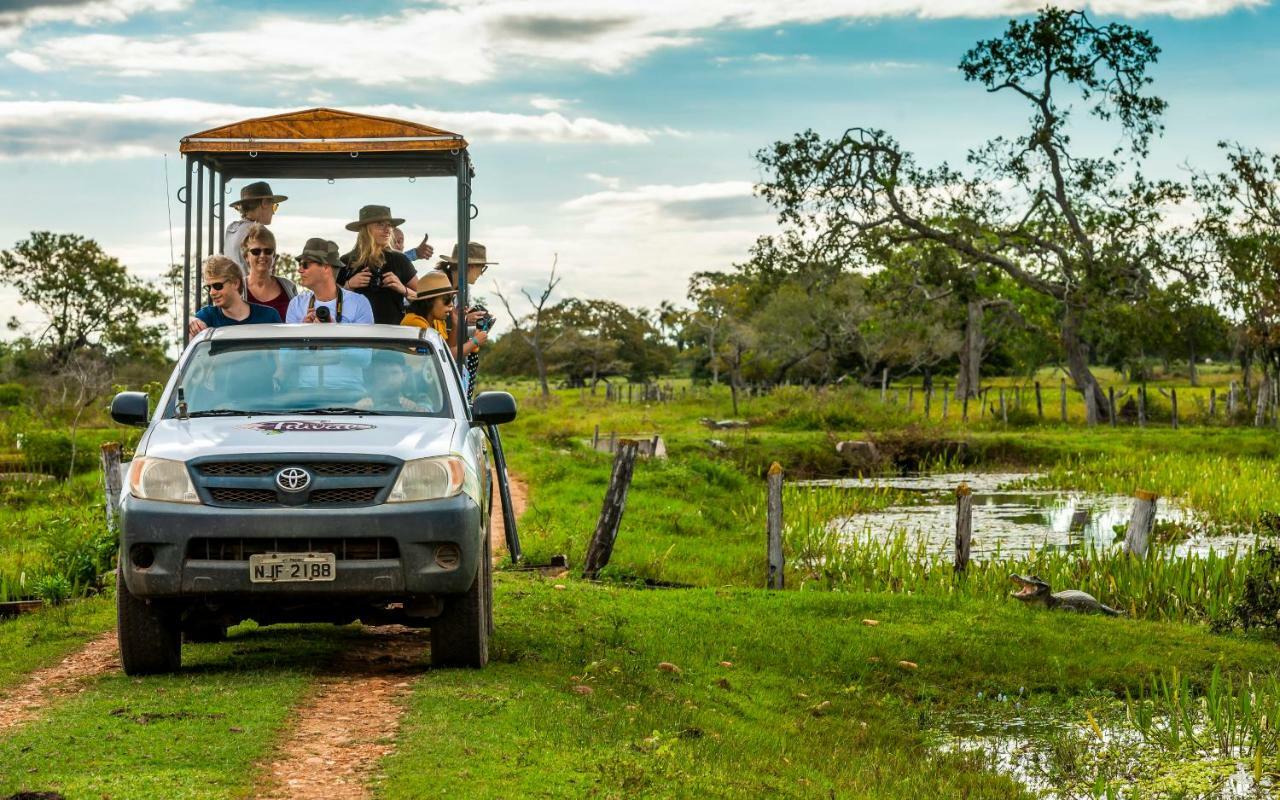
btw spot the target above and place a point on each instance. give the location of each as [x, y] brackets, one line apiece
[616, 136]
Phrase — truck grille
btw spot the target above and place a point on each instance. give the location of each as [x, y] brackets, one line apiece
[249, 481]
[239, 549]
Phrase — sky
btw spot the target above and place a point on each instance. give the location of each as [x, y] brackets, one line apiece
[613, 138]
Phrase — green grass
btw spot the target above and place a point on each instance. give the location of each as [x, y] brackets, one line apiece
[40, 639]
[519, 727]
[193, 735]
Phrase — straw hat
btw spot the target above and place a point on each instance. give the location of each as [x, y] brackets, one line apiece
[258, 191]
[372, 214]
[434, 284]
[476, 255]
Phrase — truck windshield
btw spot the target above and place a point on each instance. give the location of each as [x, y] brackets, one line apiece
[271, 377]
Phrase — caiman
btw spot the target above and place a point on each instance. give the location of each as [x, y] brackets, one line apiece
[1035, 591]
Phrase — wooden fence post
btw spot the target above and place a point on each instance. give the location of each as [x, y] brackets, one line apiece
[595, 438]
[884, 384]
[1213, 402]
[946, 399]
[774, 481]
[1260, 415]
[1231, 401]
[1111, 404]
[1062, 397]
[911, 398]
[964, 526]
[615, 501]
[613, 441]
[1039, 402]
[1138, 536]
[1173, 402]
[928, 400]
[111, 483]
[1004, 410]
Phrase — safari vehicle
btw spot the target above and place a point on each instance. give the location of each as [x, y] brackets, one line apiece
[310, 473]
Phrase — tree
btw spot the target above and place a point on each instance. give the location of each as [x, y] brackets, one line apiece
[87, 297]
[1071, 227]
[533, 331]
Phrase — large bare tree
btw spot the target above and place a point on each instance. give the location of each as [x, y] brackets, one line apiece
[533, 329]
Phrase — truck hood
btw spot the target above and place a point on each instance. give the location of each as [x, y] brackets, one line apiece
[401, 437]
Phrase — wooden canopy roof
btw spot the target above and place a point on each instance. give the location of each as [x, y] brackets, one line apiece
[327, 143]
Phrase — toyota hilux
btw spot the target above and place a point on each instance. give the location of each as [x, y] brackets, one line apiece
[307, 473]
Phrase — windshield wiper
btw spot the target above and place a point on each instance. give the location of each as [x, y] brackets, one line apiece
[335, 410]
[225, 412]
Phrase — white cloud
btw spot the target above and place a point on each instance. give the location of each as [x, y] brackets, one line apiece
[470, 41]
[15, 17]
[28, 61]
[549, 103]
[606, 181]
[69, 130]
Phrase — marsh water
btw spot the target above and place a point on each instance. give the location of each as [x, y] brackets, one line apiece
[1012, 521]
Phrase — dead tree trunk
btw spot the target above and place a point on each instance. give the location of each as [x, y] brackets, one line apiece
[615, 501]
[969, 378]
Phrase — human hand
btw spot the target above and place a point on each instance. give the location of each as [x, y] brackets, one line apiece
[310, 317]
[195, 326]
[359, 280]
[476, 314]
[392, 281]
[424, 250]
[481, 337]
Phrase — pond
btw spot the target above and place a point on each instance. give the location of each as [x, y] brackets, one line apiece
[1012, 521]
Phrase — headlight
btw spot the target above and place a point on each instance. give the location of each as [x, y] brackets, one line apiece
[431, 479]
[161, 479]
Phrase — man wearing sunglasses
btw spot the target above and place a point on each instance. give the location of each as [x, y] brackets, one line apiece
[326, 301]
[258, 204]
[222, 281]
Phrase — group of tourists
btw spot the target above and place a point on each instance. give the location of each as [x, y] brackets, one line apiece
[374, 283]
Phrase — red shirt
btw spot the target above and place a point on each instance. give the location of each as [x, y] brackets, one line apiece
[280, 302]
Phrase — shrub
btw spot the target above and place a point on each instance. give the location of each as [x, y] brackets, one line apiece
[50, 452]
[1259, 603]
[52, 588]
[81, 549]
[11, 394]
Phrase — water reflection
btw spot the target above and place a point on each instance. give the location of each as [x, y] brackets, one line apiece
[1014, 521]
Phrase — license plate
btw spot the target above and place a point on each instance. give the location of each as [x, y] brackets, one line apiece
[292, 567]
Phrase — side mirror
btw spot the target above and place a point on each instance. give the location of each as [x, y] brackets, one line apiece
[131, 408]
[493, 408]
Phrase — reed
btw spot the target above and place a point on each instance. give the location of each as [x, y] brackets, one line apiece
[1161, 586]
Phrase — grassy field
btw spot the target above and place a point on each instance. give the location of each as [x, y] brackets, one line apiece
[813, 702]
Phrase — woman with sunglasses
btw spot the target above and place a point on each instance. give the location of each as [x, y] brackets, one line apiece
[224, 282]
[264, 287]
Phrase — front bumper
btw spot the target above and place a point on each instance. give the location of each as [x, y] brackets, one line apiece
[166, 529]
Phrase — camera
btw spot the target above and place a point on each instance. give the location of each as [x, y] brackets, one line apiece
[375, 276]
[322, 314]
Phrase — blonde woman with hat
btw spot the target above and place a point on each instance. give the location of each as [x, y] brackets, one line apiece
[257, 204]
[224, 282]
[375, 269]
[477, 263]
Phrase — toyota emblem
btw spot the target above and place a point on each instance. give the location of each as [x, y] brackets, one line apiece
[293, 479]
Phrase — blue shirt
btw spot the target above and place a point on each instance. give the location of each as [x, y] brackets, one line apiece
[355, 307]
[212, 316]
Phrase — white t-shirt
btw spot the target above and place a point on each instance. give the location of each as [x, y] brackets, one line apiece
[236, 231]
[355, 308]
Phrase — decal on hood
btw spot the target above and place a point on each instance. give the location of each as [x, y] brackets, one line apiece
[305, 426]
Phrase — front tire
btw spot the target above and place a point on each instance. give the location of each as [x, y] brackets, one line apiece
[460, 635]
[150, 638]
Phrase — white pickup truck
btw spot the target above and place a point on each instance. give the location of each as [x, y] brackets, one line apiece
[322, 473]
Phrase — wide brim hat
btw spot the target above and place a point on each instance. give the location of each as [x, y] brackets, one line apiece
[433, 284]
[321, 251]
[258, 191]
[476, 255]
[372, 214]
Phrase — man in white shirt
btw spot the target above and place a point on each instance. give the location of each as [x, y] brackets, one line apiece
[326, 301]
[257, 203]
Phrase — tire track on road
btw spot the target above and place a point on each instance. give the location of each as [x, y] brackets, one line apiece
[24, 702]
[349, 725]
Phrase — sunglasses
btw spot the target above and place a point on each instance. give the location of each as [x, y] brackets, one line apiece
[217, 287]
[275, 207]
[261, 251]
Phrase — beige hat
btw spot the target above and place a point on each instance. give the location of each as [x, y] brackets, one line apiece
[476, 255]
[434, 284]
